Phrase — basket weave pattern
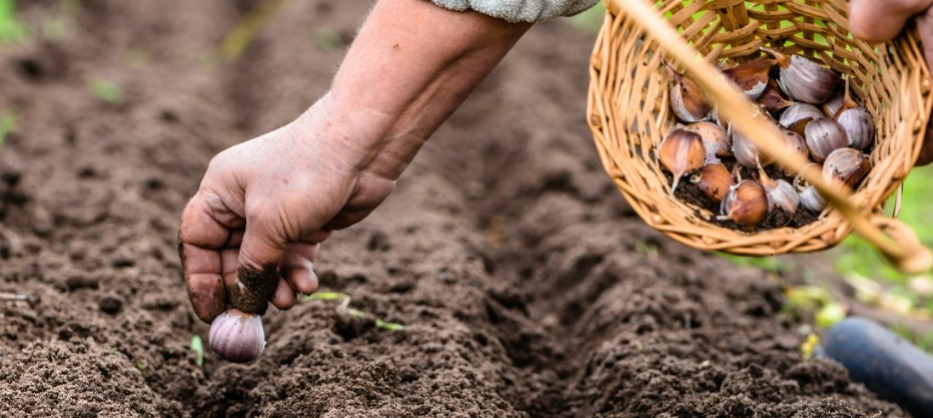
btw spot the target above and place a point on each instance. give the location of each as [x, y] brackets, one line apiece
[629, 113]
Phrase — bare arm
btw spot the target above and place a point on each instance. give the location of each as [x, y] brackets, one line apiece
[268, 203]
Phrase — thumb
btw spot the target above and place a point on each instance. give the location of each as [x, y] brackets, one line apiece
[258, 262]
[881, 21]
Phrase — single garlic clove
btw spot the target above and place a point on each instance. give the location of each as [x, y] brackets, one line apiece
[687, 100]
[781, 195]
[798, 115]
[751, 77]
[237, 336]
[681, 152]
[745, 204]
[772, 100]
[714, 181]
[803, 79]
[794, 143]
[823, 137]
[746, 153]
[831, 108]
[715, 140]
[846, 165]
[812, 200]
[858, 125]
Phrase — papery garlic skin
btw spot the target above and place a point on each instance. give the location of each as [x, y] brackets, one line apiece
[746, 204]
[798, 112]
[687, 100]
[714, 181]
[746, 153]
[781, 195]
[846, 165]
[804, 80]
[237, 336]
[812, 200]
[794, 144]
[716, 141]
[681, 152]
[823, 137]
[858, 125]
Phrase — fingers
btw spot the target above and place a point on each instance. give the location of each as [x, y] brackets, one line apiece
[298, 267]
[284, 297]
[882, 20]
[199, 237]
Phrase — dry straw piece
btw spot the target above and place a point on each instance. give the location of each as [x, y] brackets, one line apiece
[629, 113]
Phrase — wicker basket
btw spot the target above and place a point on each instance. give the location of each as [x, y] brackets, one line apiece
[628, 113]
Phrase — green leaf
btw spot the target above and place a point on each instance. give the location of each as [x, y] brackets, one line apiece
[325, 296]
[106, 90]
[389, 326]
[830, 314]
[197, 345]
[7, 124]
[141, 365]
[11, 29]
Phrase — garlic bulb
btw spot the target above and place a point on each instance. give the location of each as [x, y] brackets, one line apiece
[823, 137]
[752, 76]
[681, 152]
[715, 140]
[714, 181]
[831, 108]
[687, 101]
[859, 128]
[803, 79]
[746, 204]
[846, 165]
[237, 336]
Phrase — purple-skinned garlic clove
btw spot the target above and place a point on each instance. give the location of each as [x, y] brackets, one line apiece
[237, 336]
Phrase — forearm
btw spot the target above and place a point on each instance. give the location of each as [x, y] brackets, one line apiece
[410, 67]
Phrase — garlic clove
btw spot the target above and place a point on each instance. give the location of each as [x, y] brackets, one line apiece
[751, 77]
[781, 194]
[794, 143]
[714, 181]
[681, 152]
[798, 115]
[687, 100]
[846, 165]
[803, 79]
[858, 126]
[746, 204]
[746, 153]
[823, 137]
[715, 140]
[812, 200]
[237, 336]
[772, 100]
[832, 107]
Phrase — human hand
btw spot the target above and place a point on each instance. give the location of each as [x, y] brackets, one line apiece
[265, 205]
[253, 230]
[881, 21]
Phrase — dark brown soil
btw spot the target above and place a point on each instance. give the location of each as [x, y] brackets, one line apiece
[526, 284]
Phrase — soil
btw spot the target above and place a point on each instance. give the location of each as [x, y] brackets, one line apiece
[527, 286]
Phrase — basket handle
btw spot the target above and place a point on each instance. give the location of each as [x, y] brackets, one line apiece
[900, 245]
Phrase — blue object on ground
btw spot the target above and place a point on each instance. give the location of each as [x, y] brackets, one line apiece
[884, 362]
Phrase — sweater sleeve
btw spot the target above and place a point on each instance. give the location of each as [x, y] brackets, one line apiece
[520, 10]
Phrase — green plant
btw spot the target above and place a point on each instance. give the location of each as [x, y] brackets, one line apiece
[106, 90]
[11, 29]
[197, 345]
[7, 124]
[345, 307]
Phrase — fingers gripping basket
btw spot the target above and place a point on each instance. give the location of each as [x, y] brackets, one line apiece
[629, 113]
